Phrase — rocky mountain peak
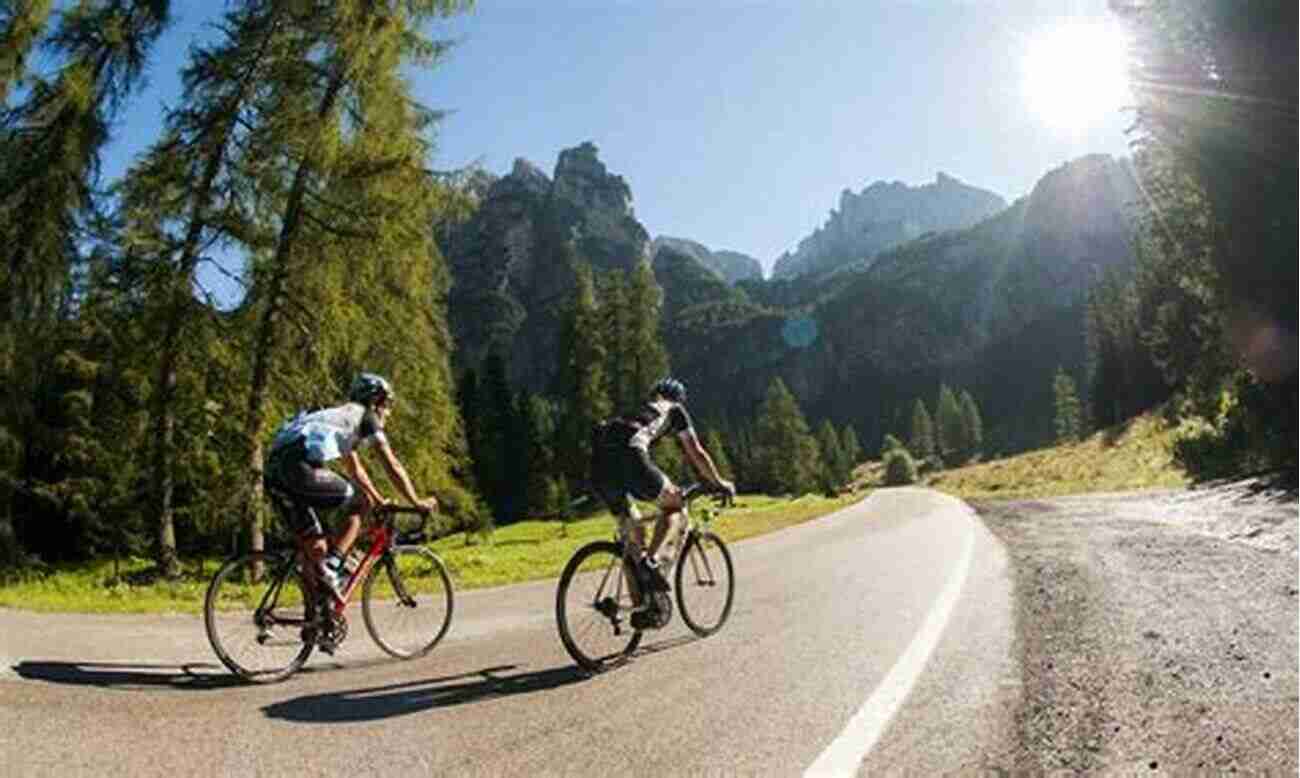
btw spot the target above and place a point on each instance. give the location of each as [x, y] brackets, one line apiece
[582, 180]
[884, 215]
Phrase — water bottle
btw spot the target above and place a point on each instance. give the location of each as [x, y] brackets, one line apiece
[353, 562]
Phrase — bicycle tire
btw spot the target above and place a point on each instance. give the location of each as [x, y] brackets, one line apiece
[408, 586]
[704, 563]
[583, 626]
[245, 594]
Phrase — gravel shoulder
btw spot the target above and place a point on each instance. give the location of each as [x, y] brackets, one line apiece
[1155, 631]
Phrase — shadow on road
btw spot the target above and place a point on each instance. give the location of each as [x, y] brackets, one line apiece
[666, 644]
[125, 675]
[411, 697]
[190, 676]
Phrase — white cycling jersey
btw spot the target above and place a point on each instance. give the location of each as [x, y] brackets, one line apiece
[330, 433]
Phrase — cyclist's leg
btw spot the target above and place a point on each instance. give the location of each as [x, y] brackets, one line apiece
[314, 486]
[648, 482]
[670, 514]
[357, 507]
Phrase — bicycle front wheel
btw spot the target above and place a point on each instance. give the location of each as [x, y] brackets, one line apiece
[407, 601]
[705, 583]
[255, 612]
[593, 606]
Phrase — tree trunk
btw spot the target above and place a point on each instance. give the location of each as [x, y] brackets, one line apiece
[215, 142]
[268, 329]
[165, 416]
[164, 436]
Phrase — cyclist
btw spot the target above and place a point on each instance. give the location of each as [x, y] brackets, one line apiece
[621, 469]
[296, 475]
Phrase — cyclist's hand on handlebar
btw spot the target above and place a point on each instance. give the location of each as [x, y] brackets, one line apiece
[429, 504]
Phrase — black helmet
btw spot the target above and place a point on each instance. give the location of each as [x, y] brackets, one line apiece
[369, 388]
[670, 388]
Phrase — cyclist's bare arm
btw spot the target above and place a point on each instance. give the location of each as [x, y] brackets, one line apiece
[401, 480]
[358, 472]
[700, 459]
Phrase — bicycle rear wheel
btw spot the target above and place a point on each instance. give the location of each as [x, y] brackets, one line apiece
[593, 606]
[255, 611]
[705, 583]
[407, 601]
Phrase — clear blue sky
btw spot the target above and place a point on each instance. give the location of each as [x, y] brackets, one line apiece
[736, 124]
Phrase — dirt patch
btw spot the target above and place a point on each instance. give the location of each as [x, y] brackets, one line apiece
[1157, 632]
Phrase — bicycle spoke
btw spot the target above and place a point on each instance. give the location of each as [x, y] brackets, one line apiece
[407, 602]
[704, 596]
[253, 613]
[593, 606]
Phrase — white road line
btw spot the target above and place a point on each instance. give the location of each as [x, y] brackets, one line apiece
[843, 756]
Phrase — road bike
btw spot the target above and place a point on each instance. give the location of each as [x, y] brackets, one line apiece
[264, 616]
[602, 607]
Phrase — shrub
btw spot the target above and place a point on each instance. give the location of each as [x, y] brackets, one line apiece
[900, 468]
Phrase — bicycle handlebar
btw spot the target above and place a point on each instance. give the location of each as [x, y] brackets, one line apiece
[412, 536]
[702, 488]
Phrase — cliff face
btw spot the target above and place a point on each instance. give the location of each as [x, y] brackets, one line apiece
[730, 266]
[882, 216]
[510, 260]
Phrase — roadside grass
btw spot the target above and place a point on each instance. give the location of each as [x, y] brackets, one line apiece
[524, 551]
[1135, 455]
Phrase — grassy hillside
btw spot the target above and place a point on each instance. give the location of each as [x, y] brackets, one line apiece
[1136, 455]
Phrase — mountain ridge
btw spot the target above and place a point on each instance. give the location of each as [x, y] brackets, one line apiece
[1007, 290]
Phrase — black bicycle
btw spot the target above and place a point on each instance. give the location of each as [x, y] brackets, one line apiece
[264, 616]
[602, 608]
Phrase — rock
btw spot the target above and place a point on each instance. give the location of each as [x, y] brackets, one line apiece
[882, 216]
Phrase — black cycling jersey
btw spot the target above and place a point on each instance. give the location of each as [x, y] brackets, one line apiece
[655, 419]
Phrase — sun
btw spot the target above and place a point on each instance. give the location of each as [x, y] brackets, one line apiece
[1076, 73]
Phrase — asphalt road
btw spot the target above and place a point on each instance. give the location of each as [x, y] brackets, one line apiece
[886, 626]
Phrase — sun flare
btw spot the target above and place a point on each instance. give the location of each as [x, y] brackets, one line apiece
[1076, 74]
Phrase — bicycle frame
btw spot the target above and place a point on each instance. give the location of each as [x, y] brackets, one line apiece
[382, 535]
[687, 527]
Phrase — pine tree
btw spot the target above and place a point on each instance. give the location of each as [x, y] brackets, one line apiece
[1068, 408]
[538, 444]
[648, 355]
[1215, 122]
[617, 317]
[187, 193]
[832, 457]
[496, 442]
[344, 163]
[972, 425]
[50, 147]
[786, 454]
[950, 436]
[922, 441]
[581, 380]
[21, 23]
[851, 448]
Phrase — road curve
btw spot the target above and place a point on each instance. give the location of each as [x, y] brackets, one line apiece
[878, 638]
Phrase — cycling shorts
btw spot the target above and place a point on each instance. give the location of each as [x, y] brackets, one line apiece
[296, 485]
[620, 472]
